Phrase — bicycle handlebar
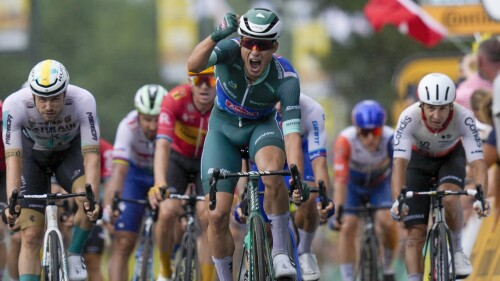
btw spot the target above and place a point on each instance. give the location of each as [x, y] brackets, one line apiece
[323, 198]
[15, 197]
[216, 175]
[404, 195]
[297, 181]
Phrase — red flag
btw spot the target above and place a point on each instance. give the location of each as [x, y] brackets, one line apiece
[409, 17]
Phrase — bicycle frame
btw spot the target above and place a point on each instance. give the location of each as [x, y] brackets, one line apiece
[54, 267]
[249, 243]
[52, 226]
[434, 245]
[184, 267]
[144, 269]
[370, 271]
[255, 222]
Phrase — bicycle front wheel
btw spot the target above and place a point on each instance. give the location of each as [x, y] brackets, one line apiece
[259, 262]
[146, 259]
[442, 260]
[52, 271]
[368, 265]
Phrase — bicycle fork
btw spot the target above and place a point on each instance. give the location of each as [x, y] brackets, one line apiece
[52, 226]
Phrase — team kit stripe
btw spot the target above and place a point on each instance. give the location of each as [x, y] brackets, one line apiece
[45, 79]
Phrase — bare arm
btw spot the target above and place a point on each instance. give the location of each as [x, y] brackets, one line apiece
[198, 59]
[161, 157]
[398, 179]
[480, 173]
[320, 170]
[92, 166]
[293, 149]
[116, 181]
[14, 166]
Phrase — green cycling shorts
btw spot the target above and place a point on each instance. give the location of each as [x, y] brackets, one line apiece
[224, 141]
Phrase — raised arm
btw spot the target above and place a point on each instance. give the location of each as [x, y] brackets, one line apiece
[198, 60]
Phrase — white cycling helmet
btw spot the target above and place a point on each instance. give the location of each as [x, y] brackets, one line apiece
[260, 23]
[148, 99]
[48, 78]
[436, 89]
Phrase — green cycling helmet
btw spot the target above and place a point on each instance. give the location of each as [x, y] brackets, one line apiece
[260, 23]
[148, 99]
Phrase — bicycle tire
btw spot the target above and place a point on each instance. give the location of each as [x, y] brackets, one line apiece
[441, 254]
[368, 262]
[190, 263]
[293, 252]
[52, 271]
[258, 260]
[187, 260]
[146, 266]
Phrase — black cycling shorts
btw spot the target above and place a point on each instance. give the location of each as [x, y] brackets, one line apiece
[180, 168]
[39, 165]
[422, 170]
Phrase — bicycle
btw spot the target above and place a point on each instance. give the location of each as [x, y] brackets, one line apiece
[438, 251]
[54, 263]
[144, 254]
[256, 245]
[369, 260]
[187, 267]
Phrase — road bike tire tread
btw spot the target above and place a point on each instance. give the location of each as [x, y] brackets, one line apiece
[440, 251]
[368, 269]
[293, 253]
[52, 271]
[190, 262]
[146, 271]
[259, 254]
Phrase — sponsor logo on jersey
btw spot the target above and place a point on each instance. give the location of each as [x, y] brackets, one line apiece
[240, 109]
[402, 125]
[164, 119]
[232, 84]
[8, 128]
[93, 131]
[316, 132]
[292, 107]
[178, 94]
[469, 122]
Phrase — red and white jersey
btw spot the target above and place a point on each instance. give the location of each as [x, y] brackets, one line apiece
[132, 145]
[181, 123]
[413, 134]
[355, 163]
[78, 116]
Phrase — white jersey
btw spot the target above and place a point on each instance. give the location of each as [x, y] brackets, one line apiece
[413, 133]
[78, 116]
[312, 125]
[132, 145]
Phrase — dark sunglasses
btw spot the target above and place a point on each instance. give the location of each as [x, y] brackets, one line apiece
[198, 80]
[255, 44]
[375, 132]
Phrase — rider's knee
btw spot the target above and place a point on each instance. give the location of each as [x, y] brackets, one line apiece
[32, 237]
[218, 218]
[416, 237]
[124, 243]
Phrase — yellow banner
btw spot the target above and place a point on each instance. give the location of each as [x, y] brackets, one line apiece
[485, 255]
[463, 19]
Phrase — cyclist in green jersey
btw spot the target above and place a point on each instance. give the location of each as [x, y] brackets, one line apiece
[250, 81]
